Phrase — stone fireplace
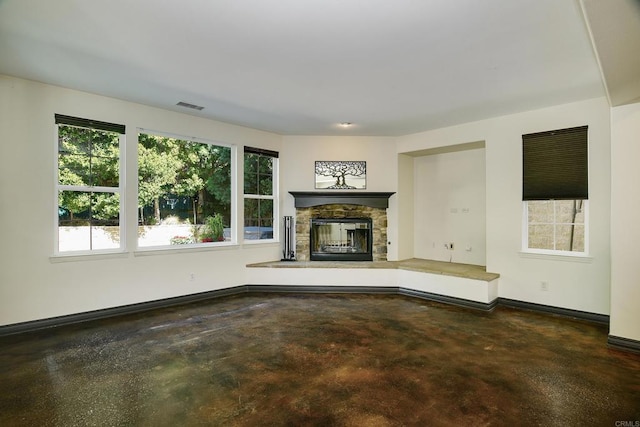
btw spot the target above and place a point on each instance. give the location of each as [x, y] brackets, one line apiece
[356, 208]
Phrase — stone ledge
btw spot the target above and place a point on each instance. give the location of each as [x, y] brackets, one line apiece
[468, 271]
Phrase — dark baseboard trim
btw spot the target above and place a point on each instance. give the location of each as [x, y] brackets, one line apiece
[52, 322]
[488, 307]
[18, 328]
[327, 289]
[624, 344]
[384, 290]
[566, 312]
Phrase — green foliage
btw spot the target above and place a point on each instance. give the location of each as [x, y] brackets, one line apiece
[168, 168]
[213, 229]
[180, 240]
[158, 166]
[258, 211]
[105, 206]
[258, 174]
[88, 157]
[218, 179]
[194, 159]
[74, 201]
[258, 180]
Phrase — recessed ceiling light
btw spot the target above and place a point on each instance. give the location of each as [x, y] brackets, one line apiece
[345, 124]
[192, 106]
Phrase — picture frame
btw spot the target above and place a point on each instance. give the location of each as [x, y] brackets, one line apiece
[340, 175]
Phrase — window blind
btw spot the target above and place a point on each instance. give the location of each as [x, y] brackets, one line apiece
[555, 165]
[262, 151]
[87, 123]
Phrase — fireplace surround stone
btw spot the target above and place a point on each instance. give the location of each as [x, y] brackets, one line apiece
[341, 205]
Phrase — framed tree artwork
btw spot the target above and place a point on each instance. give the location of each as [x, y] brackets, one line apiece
[341, 175]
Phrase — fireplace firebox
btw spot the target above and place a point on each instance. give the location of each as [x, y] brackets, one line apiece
[341, 239]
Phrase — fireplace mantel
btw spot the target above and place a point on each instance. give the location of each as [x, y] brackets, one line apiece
[307, 199]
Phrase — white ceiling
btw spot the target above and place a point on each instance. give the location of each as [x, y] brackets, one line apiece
[298, 67]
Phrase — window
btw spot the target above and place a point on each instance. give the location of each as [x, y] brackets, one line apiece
[556, 225]
[555, 191]
[184, 191]
[260, 198]
[89, 190]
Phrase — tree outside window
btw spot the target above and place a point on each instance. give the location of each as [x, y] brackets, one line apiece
[260, 185]
[184, 191]
[88, 185]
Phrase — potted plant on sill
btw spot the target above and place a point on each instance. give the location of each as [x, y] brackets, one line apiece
[213, 230]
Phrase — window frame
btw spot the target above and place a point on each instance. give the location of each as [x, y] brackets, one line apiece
[197, 246]
[546, 177]
[86, 124]
[525, 232]
[274, 197]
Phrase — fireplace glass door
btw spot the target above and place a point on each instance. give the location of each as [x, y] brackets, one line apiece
[344, 239]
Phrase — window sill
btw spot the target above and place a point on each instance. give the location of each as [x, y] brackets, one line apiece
[73, 257]
[253, 242]
[184, 249]
[557, 256]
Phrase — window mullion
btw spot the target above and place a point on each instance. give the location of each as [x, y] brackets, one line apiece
[90, 218]
[555, 227]
[63, 187]
[91, 179]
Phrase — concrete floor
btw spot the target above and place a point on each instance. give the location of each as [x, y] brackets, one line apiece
[345, 360]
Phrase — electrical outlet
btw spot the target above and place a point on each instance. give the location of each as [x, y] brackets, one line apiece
[544, 286]
[448, 246]
[451, 246]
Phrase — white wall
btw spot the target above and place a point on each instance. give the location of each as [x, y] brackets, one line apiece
[404, 206]
[572, 284]
[34, 286]
[449, 206]
[625, 223]
[299, 154]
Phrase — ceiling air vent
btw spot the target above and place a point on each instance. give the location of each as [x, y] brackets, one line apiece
[187, 105]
